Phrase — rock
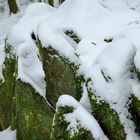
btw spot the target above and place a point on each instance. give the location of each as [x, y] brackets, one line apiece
[134, 109]
[60, 75]
[106, 117]
[7, 94]
[34, 117]
[60, 131]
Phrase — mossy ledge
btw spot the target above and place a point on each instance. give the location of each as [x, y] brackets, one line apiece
[106, 117]
[60, 75]
[60, 131]
[34, 117]
[7, 86]
[21, 107]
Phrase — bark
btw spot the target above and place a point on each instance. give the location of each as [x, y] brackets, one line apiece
[13, 6]
[51, 2]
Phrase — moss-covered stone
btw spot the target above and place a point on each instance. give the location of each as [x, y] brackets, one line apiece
[60, 131]
[34, 117]
[7, 94]
[20, 106]
[134, 109]
[60, 74]
[106, 117]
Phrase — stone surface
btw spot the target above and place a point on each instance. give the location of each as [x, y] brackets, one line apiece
[134, 109]
[34, 117]
[7, 94]
[60, 75]
[107, 118]
[60, 131]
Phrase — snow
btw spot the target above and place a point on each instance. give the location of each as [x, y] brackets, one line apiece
[86, 120]
[107, 64]
[29, 66]
[136, 60]
[111, 78]
[51, 36]
[88, 51]
[2, 56]
[84, 101]
[8, 134]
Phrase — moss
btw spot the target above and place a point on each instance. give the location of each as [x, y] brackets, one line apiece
[60, 131]
[134, 109]
[73, 36]
[34, 117]
[20, 106]
[60, 75]
[107, 118]
[7, 94]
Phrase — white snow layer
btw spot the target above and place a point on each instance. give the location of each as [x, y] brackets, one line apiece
[29, 66]
[79, 114]
[8, 134]
[108, 64]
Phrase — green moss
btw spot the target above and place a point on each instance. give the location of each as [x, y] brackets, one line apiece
[34, 117]
[134, 109]
[73, 36]
[7, 94]
[60, 75]
[60, 131]
[107, 118]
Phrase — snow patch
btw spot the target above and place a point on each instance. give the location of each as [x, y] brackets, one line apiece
[86, 120]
